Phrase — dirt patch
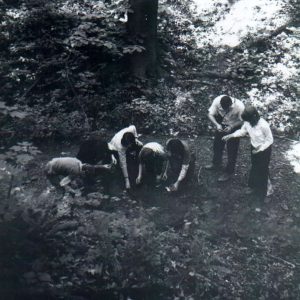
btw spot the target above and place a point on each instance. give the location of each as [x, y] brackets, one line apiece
[211, 242]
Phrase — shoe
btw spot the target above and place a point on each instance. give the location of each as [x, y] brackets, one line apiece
[224, 178]
[212, 167]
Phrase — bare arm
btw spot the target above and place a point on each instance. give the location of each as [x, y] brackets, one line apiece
[239, 133]
[140, 175]
[214, 121]
[234, 125]
[181, 176]
[123, 164]
[174, 187]
[237, 124]
[113, 160]
[165, 172]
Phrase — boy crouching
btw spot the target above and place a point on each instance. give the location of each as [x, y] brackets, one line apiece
[64, 166]
[72, 167]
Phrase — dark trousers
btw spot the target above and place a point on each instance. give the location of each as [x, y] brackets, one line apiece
[259, 173]
[132, 159]
[232, 150]
[152, 170]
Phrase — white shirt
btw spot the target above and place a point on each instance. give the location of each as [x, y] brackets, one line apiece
[231, 117]
[156, 147]
[116, 145]
[61, 165]
[260, 135]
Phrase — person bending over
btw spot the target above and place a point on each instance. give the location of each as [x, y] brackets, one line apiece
[181, 164]
[261, 146]
[225, 113]
[71, 167]
[122, 142]
[95, 150]
[151, 161]
[64, 166]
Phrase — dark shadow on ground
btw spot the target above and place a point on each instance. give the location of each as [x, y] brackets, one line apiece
[210, 242]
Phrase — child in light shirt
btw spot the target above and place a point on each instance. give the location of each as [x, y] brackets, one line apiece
[261, 147]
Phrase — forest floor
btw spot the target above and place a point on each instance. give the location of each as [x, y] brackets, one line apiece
[212, 242]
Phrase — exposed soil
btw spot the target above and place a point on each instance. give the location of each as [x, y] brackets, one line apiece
[211, 242]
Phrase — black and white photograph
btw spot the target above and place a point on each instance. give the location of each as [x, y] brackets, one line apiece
[150, 150]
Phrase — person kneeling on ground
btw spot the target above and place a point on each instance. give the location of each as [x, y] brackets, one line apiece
[180, 166]
[123, 141]
[151, 162]
[64, 166]
[225, 113]
[70, 167]
[261, 146]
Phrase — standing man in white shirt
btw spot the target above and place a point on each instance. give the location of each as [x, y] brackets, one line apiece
[225, 113]
[121, 142]
[261, 146]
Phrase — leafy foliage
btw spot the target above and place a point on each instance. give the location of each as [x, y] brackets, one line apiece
[71, 58]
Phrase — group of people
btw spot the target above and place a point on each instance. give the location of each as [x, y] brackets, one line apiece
[174, 163]
[232, 121]
[140, 164]
[149, 163]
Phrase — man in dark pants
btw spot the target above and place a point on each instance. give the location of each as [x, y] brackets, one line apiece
[225, 113]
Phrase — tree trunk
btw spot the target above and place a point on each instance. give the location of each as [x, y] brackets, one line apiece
[142, 27]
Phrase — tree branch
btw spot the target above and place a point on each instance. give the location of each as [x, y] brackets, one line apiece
[293, 266]
[264, 39]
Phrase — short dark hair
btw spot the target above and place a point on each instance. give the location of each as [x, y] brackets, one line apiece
[175, 146]
[226, 102]
[251, 115]
[128, 139]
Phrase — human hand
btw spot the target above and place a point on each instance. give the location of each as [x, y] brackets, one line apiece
[158, 178]
[107, 167]
[127, 184]
[138, 180]
[219, 127]
[113, 160]
[255, 151]
[226, 138]
[227, 129]
[173, 187]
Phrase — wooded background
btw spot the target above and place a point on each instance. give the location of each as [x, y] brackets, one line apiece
[70, 67]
